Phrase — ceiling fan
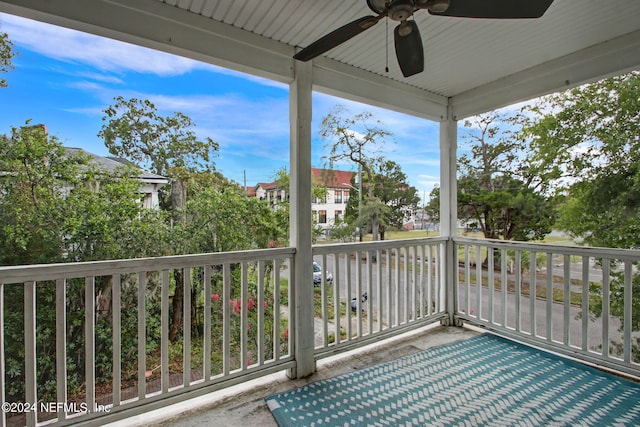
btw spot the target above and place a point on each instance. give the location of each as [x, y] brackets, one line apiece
[407, 40]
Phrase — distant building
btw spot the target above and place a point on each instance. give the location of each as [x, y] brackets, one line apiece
[150, 183]
[326, 210]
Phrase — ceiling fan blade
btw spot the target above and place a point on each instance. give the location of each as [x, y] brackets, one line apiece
[496, 9]
[409, 49]
[337, 37]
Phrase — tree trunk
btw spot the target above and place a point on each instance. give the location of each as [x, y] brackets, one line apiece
[178, 204]
[179, 200]
[177, 305]
[375, 227]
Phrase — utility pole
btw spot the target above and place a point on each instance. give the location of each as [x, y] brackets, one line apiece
[360, 191]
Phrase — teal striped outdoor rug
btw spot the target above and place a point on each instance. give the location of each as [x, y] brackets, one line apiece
[485, 380]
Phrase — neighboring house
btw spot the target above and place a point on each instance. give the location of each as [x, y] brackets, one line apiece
[150, 183]
[334, 205]
[326, 210]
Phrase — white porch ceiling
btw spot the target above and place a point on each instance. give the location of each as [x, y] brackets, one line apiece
[472, 65]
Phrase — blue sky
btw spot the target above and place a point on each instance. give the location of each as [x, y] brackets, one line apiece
[65, 79]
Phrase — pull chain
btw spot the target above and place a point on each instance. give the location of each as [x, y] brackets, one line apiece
[386, 45]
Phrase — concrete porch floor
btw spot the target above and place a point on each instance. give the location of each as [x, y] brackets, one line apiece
[244, 405]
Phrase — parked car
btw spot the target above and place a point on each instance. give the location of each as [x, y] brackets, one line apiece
[317, 275]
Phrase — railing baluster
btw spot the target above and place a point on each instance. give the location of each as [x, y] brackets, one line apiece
[290, 312]
[325, 301]
[389, 294]
[31, 386]
[244, 330]
[90, 341]
[226, 319]
[347, 261]
[606, 305]
[421, 292]
[628, 302]
[61, 345]
[518, 296]
[337, 297]
[479, 279]
[276, 308]
[260, 342]
[414, 276]
[532, 292]
[585, 303]
[441, 268]
[429, 281]
[206, 362]
[116, 336]
[503, 285]
[379, 297]
[370, 294]
[491, 286]
[467, 280]
[359, 293]
[567, 300]
[164, 333]
[186, 328]
[405, 285]
[549, 296]
[397, 279]
[142, 335]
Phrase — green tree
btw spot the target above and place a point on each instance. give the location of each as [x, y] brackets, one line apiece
[7, 53]
[56, 207]
[32, 212]
[214, 216]
[590, 142]
[499, 191]
[392, 190]
[358, 139]
[168, 146]
[588, 138]
[393, 199]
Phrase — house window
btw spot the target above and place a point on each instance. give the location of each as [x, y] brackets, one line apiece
[338, 216]
[319, 200]
[337, 196]
[322, 217]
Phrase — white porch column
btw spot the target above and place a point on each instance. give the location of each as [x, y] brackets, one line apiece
[300, 218]
[449, 205]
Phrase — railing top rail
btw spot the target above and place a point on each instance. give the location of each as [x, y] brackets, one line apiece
[21, 273]
[594, 252]
[379, 244]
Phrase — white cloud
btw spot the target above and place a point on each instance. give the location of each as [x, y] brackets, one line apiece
[245, 126]
[105, 54]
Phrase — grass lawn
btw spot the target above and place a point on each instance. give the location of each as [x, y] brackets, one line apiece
[416, 234]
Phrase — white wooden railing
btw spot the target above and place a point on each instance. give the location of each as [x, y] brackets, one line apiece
[90, 342]
[243, 336]
[402, 282]
[574, 300]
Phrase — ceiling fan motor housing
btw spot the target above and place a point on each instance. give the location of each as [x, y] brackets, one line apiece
[401, 10]
[397, 10]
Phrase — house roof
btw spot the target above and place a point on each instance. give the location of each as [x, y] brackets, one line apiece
[471, 65]
[332, 178]
[111, 164]
[328, 178]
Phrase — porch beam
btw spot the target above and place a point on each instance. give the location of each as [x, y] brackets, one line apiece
[300, 111]
[449, 205]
